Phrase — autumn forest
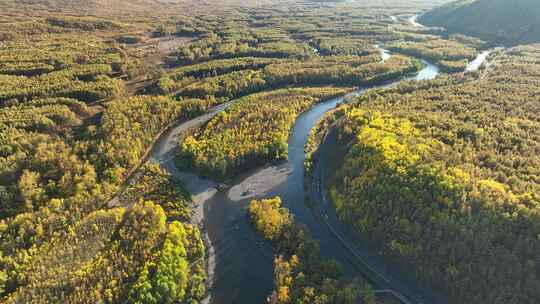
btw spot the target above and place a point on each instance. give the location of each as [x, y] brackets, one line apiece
[279, 151]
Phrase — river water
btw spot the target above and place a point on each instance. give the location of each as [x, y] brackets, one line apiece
[429, 72]
[413, 21]
[478, 61]
[385, 54]
[240, 262]
[243, 262]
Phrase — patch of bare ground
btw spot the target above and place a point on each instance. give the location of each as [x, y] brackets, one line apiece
[260, 182]
[152, 64]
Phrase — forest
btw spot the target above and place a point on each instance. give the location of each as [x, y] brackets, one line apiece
[450, 56]
[234, 141]
[441, 177]
[301, 274]
[59, 66]
[339, 71]
[70, 136]
[445, 183]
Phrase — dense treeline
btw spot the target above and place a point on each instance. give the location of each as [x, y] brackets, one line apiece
[301, 275]
[251, 132]
[59, 84]
[36, 167]
[343, 54]
[53, 180]
[112, 255]
[336, 26]
[341, 71]
[235, 41]
[70, 137]
[134, 124]
[153, 184]
[10, 31]
[178, 273]
[36, 164]
[58, 50]
[226, 86]
[60, 65]
[445, 181]
[108, 248]
[87, 24]
[341, 46]
[62, 160]
[188, 74]
[52, 114]
[450, 55]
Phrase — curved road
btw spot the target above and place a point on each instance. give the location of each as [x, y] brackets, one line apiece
[369, 265]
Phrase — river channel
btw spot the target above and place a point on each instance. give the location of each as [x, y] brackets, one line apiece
[240, 262]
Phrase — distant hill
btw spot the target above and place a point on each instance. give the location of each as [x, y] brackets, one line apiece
[499, 21]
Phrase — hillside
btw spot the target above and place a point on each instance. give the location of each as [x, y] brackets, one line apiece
[508, 22]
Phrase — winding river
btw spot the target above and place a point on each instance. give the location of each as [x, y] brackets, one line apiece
[385, 54]
[240, 262]
[413, 20]
[478, 61]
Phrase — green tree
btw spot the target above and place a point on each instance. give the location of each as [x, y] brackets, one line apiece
[165, 280]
